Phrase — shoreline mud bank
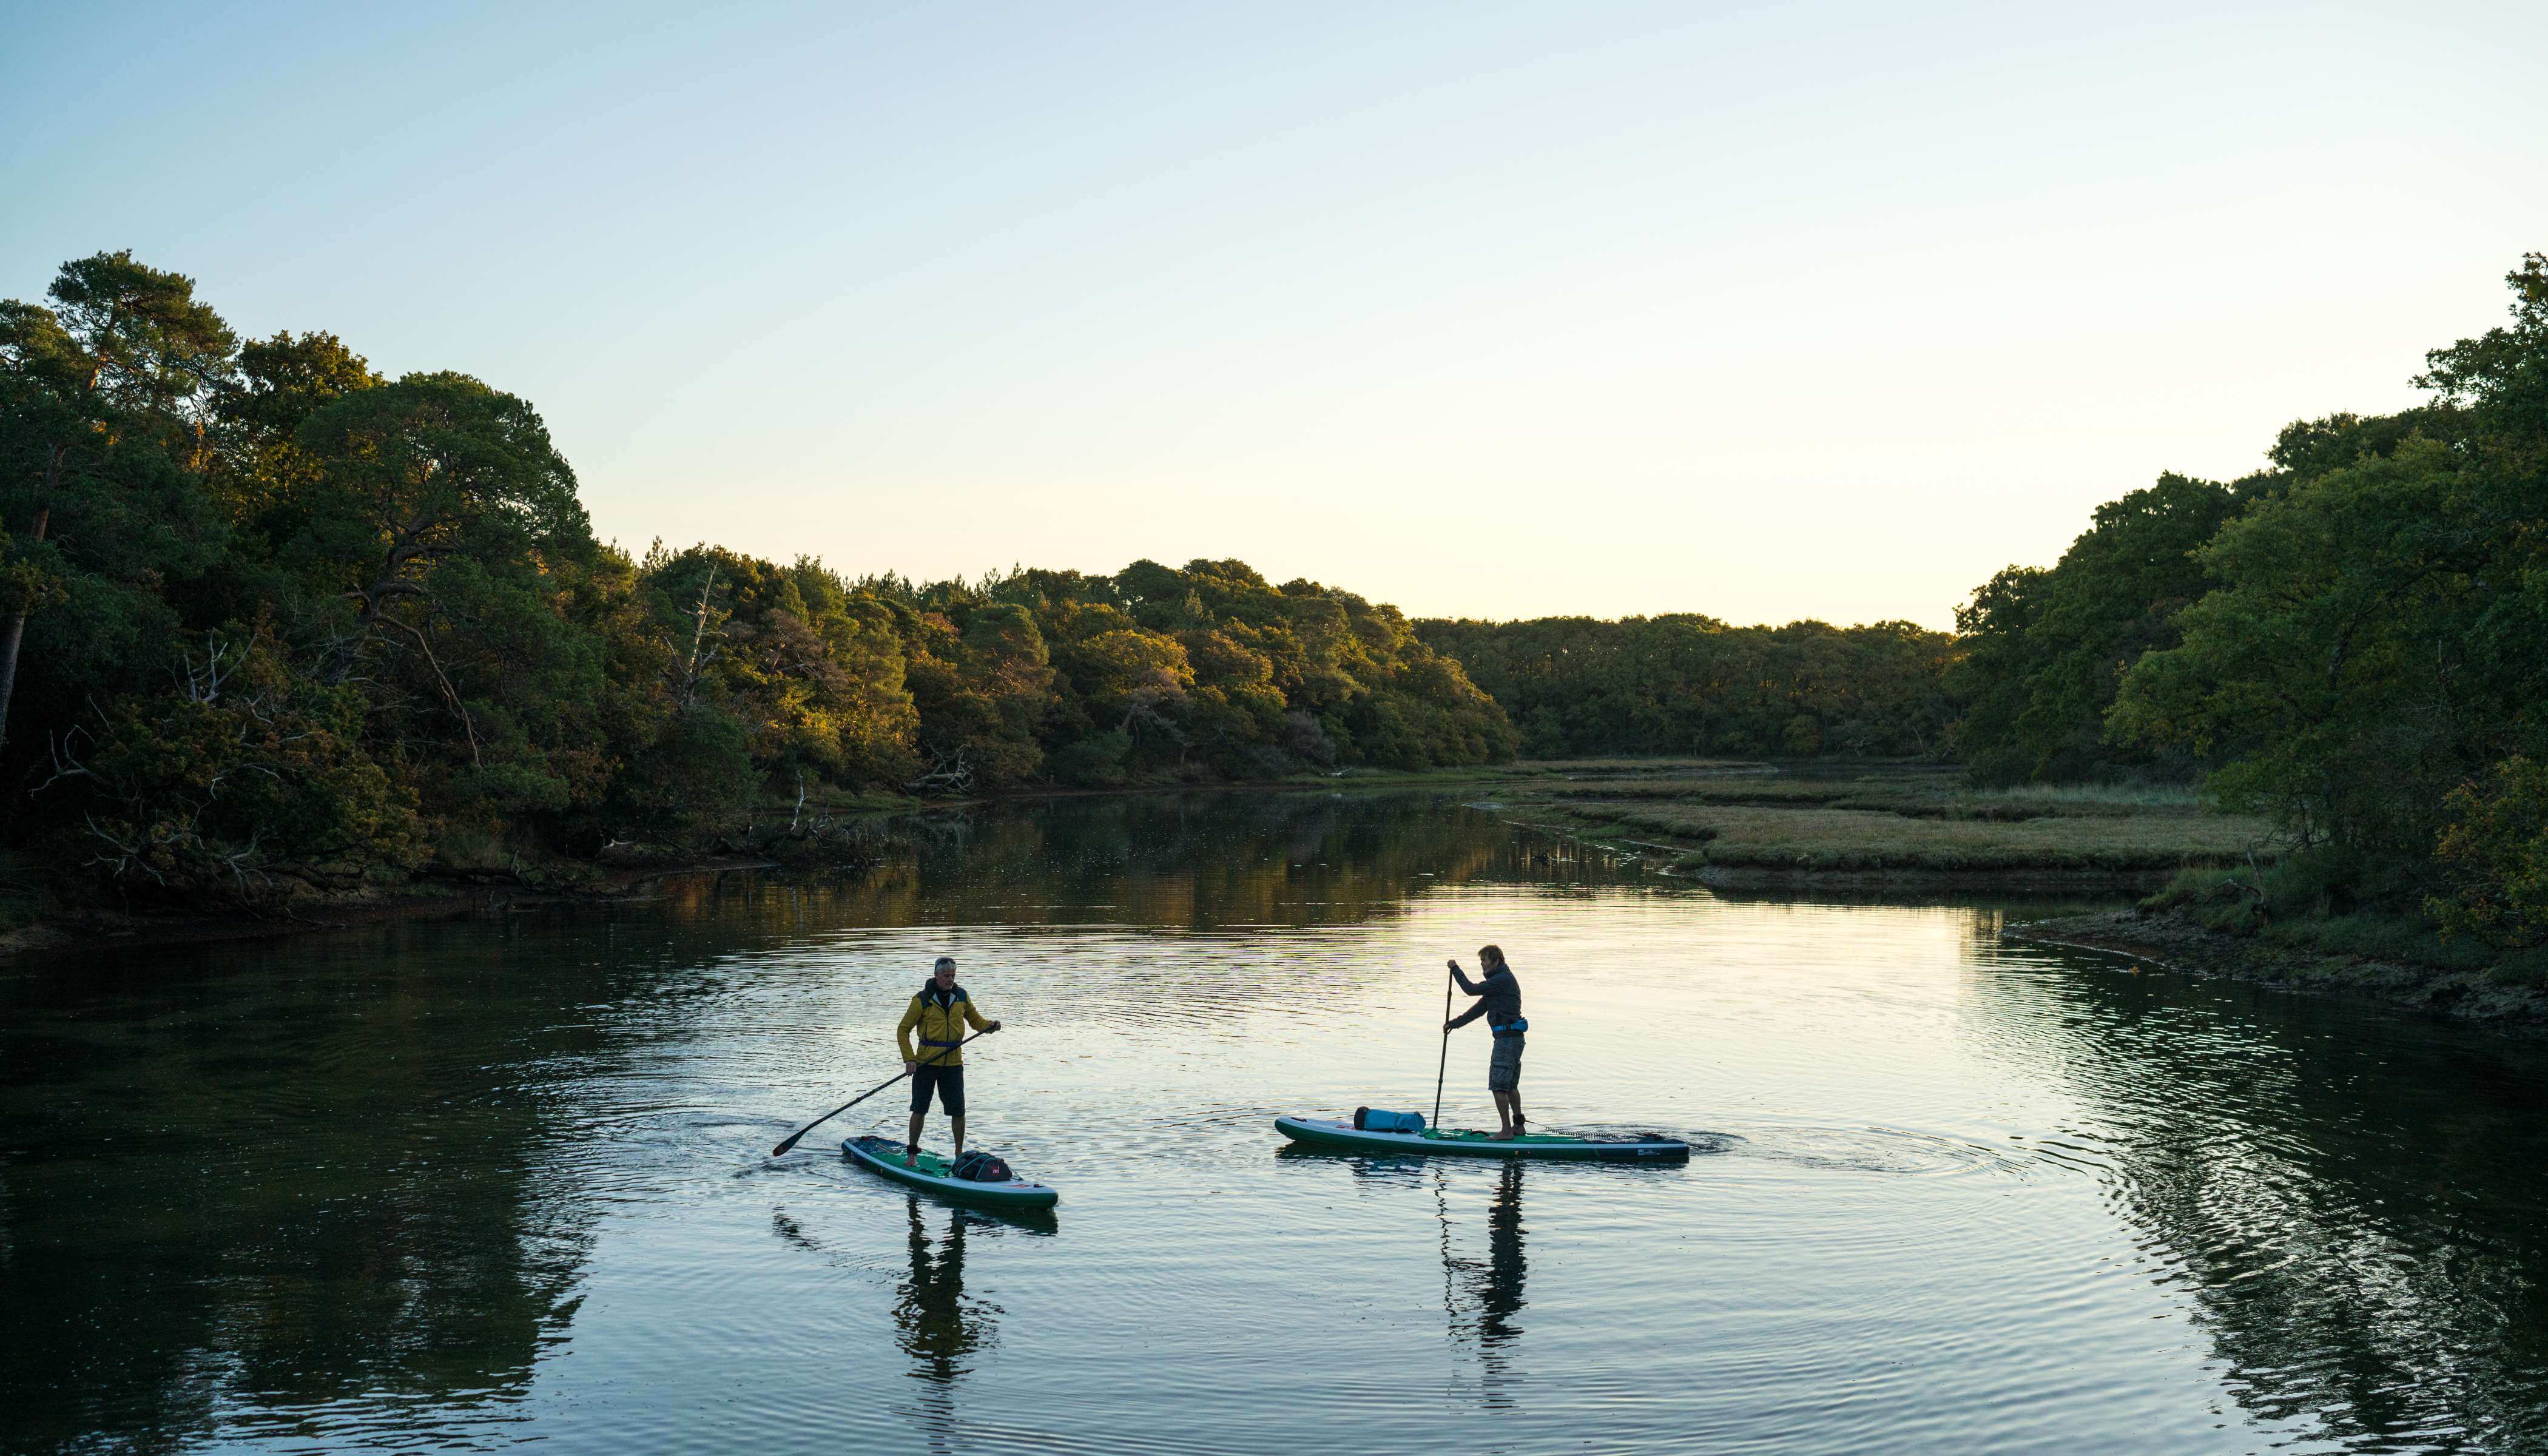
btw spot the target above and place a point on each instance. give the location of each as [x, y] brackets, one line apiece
[2175, 942]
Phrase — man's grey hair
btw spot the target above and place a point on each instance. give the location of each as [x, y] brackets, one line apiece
[944, 962]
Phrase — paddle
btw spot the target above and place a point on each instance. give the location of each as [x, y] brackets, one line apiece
[1445, 1063]
[781, 1150]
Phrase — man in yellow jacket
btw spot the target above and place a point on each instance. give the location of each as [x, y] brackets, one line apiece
[939, 1013]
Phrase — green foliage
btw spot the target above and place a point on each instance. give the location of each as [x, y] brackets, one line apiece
[2043, 651]
[1098, 762]
[106, 399]
[441, 660]
[812, 672]
[1158, 673]
[1692, 684]
[247, 775]
[2493, 844]
[2353, 645]
[2371, 664]
[2329, 673]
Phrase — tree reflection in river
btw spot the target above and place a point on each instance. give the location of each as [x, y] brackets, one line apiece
[242, 1191]
[1183, 862]
[2347, 1195]
[369, 1189]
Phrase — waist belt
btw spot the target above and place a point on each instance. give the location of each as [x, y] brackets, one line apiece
[1510, 1029]
[924, 1042]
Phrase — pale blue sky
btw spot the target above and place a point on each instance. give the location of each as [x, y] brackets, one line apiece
[1765, 311]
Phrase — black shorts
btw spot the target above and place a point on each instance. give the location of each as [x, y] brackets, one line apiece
[948, 1081]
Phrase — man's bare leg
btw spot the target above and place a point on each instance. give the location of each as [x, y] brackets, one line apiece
[911, 1143]
[958, 1122]
[1507, 1115]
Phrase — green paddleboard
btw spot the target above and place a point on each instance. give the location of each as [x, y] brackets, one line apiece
[933, 1173]
[1342, 1136]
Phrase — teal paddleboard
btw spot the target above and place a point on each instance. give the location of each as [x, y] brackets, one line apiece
[1343, 1136]
[935, 1173]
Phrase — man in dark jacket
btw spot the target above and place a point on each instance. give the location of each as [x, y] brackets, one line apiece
[1500, 1002]
[939, 1013]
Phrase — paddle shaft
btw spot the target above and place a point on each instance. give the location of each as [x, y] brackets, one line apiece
[1444, 1065]
[781, 1150]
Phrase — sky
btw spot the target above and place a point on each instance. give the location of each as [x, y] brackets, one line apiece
[1765, 311]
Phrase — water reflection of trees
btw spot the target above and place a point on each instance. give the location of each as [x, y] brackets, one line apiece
[2355, 1198]
[281, 1191]
[1179, 860]
[289, 1184]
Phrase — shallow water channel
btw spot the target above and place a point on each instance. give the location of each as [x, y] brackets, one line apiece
[479, 1181]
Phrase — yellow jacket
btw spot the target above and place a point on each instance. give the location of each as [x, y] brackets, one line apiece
[941, 1018]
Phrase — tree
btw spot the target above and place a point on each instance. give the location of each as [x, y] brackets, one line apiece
[2046, 650]
[282, 381]
[2378, 635]
[981, 689]
[247, 778]
[105, 400]
[413, 473]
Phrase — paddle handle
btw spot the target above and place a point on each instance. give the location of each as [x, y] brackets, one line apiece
[1444, 1065]
[790, 1140]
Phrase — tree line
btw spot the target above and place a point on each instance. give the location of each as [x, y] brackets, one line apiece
[270, 620]
[2353, 641]
[1692, 684]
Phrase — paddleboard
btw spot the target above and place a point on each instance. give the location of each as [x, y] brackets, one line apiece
[1344, 1136]
[884, 1155]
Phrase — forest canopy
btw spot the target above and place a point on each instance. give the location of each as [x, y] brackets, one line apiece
[270, 621]
[1692, 684]
[2353, 642]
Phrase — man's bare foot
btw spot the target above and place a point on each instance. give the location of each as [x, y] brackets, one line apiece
[1506, 1136]
[911, 1159]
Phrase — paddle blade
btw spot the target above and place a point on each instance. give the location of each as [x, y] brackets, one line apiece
[781, 1150]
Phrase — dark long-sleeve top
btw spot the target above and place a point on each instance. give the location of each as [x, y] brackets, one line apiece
[1499, 998]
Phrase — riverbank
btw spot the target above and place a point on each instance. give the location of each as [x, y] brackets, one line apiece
[1746, 823]
[2174, 941]
[103, 926]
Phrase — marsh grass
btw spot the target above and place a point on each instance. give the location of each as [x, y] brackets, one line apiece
[1642, 768]
[2101, 795]
[1919, 817]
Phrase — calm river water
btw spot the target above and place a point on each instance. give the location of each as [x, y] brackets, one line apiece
[469, 1183]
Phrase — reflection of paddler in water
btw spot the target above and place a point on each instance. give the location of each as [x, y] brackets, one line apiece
[937, 1328]
[1494, 1284]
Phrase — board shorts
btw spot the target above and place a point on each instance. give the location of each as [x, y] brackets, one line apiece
[1503, 1069]
[947, 1081]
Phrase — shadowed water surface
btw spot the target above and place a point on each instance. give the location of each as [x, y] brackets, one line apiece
[471, 1183]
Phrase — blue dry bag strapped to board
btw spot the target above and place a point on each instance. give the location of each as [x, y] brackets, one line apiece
[1372, 1119]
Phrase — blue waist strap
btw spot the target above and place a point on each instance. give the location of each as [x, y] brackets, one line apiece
[925, 1042]
[1510, 1029]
